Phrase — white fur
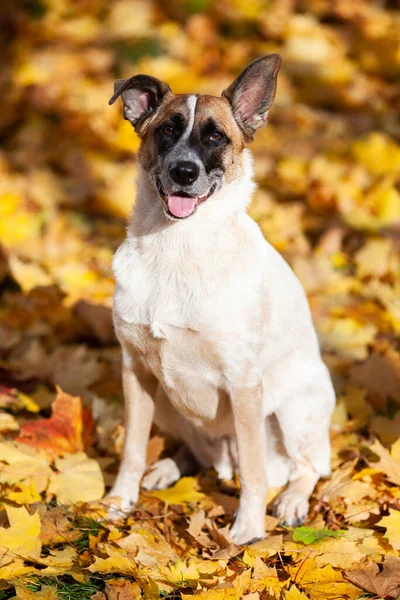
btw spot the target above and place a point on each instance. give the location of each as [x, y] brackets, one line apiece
[213, 279]
[191, 102]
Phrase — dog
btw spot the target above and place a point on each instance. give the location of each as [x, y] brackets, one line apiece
[218, 344]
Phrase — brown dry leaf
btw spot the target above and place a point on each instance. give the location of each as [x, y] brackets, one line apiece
[379, 374]
[384, 584]
[197, 521]
[121, 589]
[56, 526]
[155, 448]
[147, 548]
[388, 463]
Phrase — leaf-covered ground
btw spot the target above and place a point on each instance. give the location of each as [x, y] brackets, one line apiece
[328, 169]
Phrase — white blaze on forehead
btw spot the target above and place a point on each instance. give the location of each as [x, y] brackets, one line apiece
[191, 103]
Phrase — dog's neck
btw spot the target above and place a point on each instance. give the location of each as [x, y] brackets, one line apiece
[219, 212]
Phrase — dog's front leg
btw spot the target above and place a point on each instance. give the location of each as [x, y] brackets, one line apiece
[251, 446]
[139, 390]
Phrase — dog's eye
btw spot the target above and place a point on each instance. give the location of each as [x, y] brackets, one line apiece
[168, 130]
[216, 136]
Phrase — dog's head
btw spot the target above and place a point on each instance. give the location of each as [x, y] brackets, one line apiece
[193, 144]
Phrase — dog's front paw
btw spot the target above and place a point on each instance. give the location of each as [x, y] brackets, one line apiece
[128, 493]
[245, 530]
[291, 508]
[161, 475]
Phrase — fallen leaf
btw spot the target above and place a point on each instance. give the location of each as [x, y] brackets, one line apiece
[293, 593]
[384, 584]
[184, 491]
[121, 589]
[392, 525]
[307, 535]
[23, 465]
[22, 537]
[322, 583]
[387, 464]
[62, 433]
[79, 479]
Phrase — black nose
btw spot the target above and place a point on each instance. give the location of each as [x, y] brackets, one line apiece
[184, 172]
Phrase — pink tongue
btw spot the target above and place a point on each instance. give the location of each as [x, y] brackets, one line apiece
[180, 206]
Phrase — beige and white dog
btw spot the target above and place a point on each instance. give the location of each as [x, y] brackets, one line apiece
[218, 345]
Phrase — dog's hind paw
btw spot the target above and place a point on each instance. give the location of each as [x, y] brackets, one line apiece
[291, 508]
[161, 475]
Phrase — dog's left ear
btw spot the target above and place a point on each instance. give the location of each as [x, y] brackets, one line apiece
[252, 93]
[141, 97]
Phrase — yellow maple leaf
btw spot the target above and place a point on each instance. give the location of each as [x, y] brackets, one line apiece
[181, 573]
[294, 594]
[15, 568]
[392, 526]
[346, 337]
[116, 562]
[263, 549]
[387, 463]
[23, 466]
[185, 490]
[223, 594]
[46, 592]
[337, 552]
[24, 494]
[58, 562]
[376, 258]
[322, 583]
[79, 479]
[266, 579]
[22, 537]
[28, 274]
[377, 145]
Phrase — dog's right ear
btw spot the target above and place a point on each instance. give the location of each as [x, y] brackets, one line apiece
[141, 97]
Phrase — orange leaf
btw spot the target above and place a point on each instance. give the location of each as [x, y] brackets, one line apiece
[62, 433]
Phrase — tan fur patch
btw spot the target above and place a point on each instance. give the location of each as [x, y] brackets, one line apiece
[220, 110]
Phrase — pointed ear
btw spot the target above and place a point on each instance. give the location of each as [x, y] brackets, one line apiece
[252, 93]
[141, 97]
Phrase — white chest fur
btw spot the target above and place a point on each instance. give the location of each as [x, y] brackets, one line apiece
[207, 303]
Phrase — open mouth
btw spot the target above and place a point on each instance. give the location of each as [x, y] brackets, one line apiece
[181, 205]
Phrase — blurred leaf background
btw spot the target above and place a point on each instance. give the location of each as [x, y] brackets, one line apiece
[327, 167]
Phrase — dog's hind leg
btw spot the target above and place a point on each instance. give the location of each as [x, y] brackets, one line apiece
[197, 449]
[167, 471]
